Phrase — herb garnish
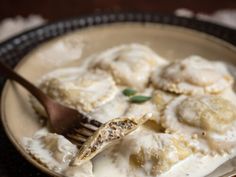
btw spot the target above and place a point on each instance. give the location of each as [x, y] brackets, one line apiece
[129, 92]
[135, 98]
[139, 99]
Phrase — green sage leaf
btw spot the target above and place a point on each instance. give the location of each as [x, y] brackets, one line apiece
[139, 99]
[129, 92]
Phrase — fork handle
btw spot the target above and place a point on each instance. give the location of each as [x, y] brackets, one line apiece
[11, 74]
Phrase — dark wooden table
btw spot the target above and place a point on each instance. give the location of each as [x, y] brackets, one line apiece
[57, 9]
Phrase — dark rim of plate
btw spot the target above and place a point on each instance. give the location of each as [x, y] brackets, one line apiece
[13, 49]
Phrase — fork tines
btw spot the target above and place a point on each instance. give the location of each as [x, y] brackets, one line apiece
[85, 128]
[86, 120]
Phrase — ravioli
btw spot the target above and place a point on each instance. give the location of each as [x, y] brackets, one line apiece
[209, 120]
[146, 154]
[130, 65]
[52, 150]
[193, 75]
[81, 90]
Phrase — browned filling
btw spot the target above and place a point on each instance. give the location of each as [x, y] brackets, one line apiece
[111, 131]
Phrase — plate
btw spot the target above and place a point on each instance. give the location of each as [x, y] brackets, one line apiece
[170, 41]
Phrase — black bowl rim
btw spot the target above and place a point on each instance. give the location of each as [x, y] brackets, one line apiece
[13, 49]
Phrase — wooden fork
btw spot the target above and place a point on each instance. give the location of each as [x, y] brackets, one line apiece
[63, 120]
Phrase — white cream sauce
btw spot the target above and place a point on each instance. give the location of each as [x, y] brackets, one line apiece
[125, 66]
